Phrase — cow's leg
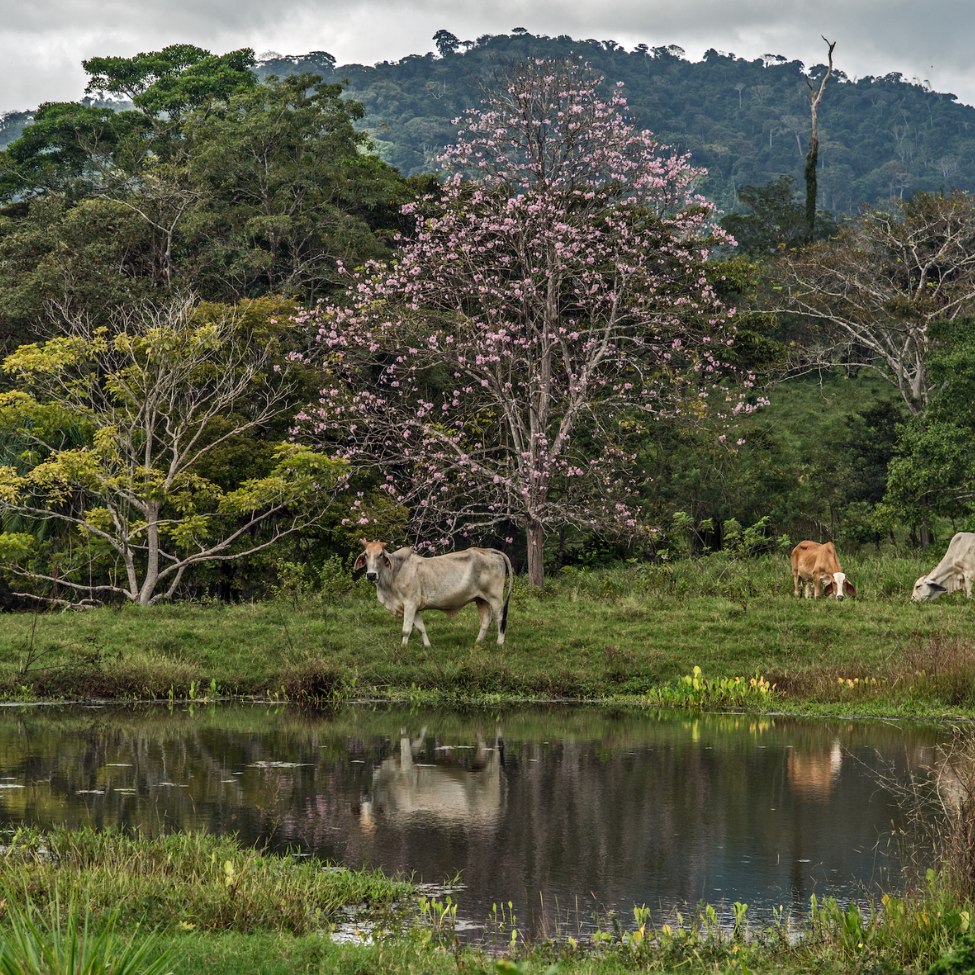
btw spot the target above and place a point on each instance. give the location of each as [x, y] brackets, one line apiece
[418, 623]
[795, 583]
[484, 612]
[497, 608]
[410, 619]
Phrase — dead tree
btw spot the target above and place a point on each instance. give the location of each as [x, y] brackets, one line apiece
[812, 157]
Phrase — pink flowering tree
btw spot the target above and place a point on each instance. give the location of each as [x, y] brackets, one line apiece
[552, 301]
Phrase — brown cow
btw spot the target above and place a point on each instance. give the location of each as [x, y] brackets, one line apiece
[819, 568]
[407, 584]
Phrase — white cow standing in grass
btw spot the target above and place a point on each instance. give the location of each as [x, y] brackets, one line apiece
[407, 584]
[955, 571]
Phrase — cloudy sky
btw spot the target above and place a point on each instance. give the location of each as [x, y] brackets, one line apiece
[42, 42]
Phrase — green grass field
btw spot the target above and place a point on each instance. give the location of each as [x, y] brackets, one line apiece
[627, 632]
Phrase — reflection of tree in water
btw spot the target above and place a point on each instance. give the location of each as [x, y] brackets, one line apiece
[654, 808]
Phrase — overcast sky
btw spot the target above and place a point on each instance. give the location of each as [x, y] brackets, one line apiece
[42, 42]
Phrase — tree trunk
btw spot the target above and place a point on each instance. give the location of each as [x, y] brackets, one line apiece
[535, 534]
[811, 188]
[812, 159]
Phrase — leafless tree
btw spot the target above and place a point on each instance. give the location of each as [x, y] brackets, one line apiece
[875, 291]
[812, 157]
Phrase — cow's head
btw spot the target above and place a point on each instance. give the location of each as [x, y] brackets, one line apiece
[374, 558]
[925, 590]
[839, 586]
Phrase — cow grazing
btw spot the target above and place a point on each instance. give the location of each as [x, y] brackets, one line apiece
[407, 584]
[819, 568]
[954, 571]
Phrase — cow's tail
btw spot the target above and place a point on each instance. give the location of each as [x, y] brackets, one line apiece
[503, 622]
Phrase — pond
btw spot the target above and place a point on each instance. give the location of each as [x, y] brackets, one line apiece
[563, 812]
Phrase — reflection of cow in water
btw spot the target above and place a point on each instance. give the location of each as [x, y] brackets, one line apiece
[452, 791]
[812, 774]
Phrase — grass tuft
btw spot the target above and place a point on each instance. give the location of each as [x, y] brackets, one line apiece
[195, 880]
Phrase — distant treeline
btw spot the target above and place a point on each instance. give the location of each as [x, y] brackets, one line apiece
[745, 121]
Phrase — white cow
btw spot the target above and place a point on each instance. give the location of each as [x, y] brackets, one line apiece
[819, 566]
[954, 571]
[409, 791]
[407, 584]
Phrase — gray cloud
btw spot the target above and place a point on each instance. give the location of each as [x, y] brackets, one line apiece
[43, 43]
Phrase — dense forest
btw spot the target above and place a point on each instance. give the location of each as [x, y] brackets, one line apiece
[745, 121]
[244, 323]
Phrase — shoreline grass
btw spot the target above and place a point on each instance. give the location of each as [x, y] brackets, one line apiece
[203, 903]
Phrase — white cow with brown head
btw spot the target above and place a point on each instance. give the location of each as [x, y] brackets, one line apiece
[818, 567]
[407, 584]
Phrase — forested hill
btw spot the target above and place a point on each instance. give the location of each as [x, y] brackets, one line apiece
[745, 121]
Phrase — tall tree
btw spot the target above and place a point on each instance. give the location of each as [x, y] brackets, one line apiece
[288, 188]
[234, 189]
[166, 84]
[446, 42]
[812, 157]
[152, 396]
[553, 298]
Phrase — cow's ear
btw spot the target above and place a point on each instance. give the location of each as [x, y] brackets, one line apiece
[829, 589]
[850, 588]
[937, 588]
[359, 562]
[386, 560]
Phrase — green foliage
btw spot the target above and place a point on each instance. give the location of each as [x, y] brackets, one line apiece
[190, 880]
[960, 960]
[54, 153]
[65, 941]
[695, 691]
[773, 219]
[153, 393]
[170, 82]
[287, 187]
[933, 472]
[813, 464]
[234, 188]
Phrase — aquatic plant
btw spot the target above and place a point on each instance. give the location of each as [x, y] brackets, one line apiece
[694, 690]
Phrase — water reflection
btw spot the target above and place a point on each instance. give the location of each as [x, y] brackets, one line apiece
[814, 774]
[562, 811]
[444, 791]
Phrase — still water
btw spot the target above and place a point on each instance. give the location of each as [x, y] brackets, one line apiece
[561, 811]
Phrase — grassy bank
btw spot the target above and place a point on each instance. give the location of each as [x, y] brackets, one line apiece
[194, 903]
[630, 631]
